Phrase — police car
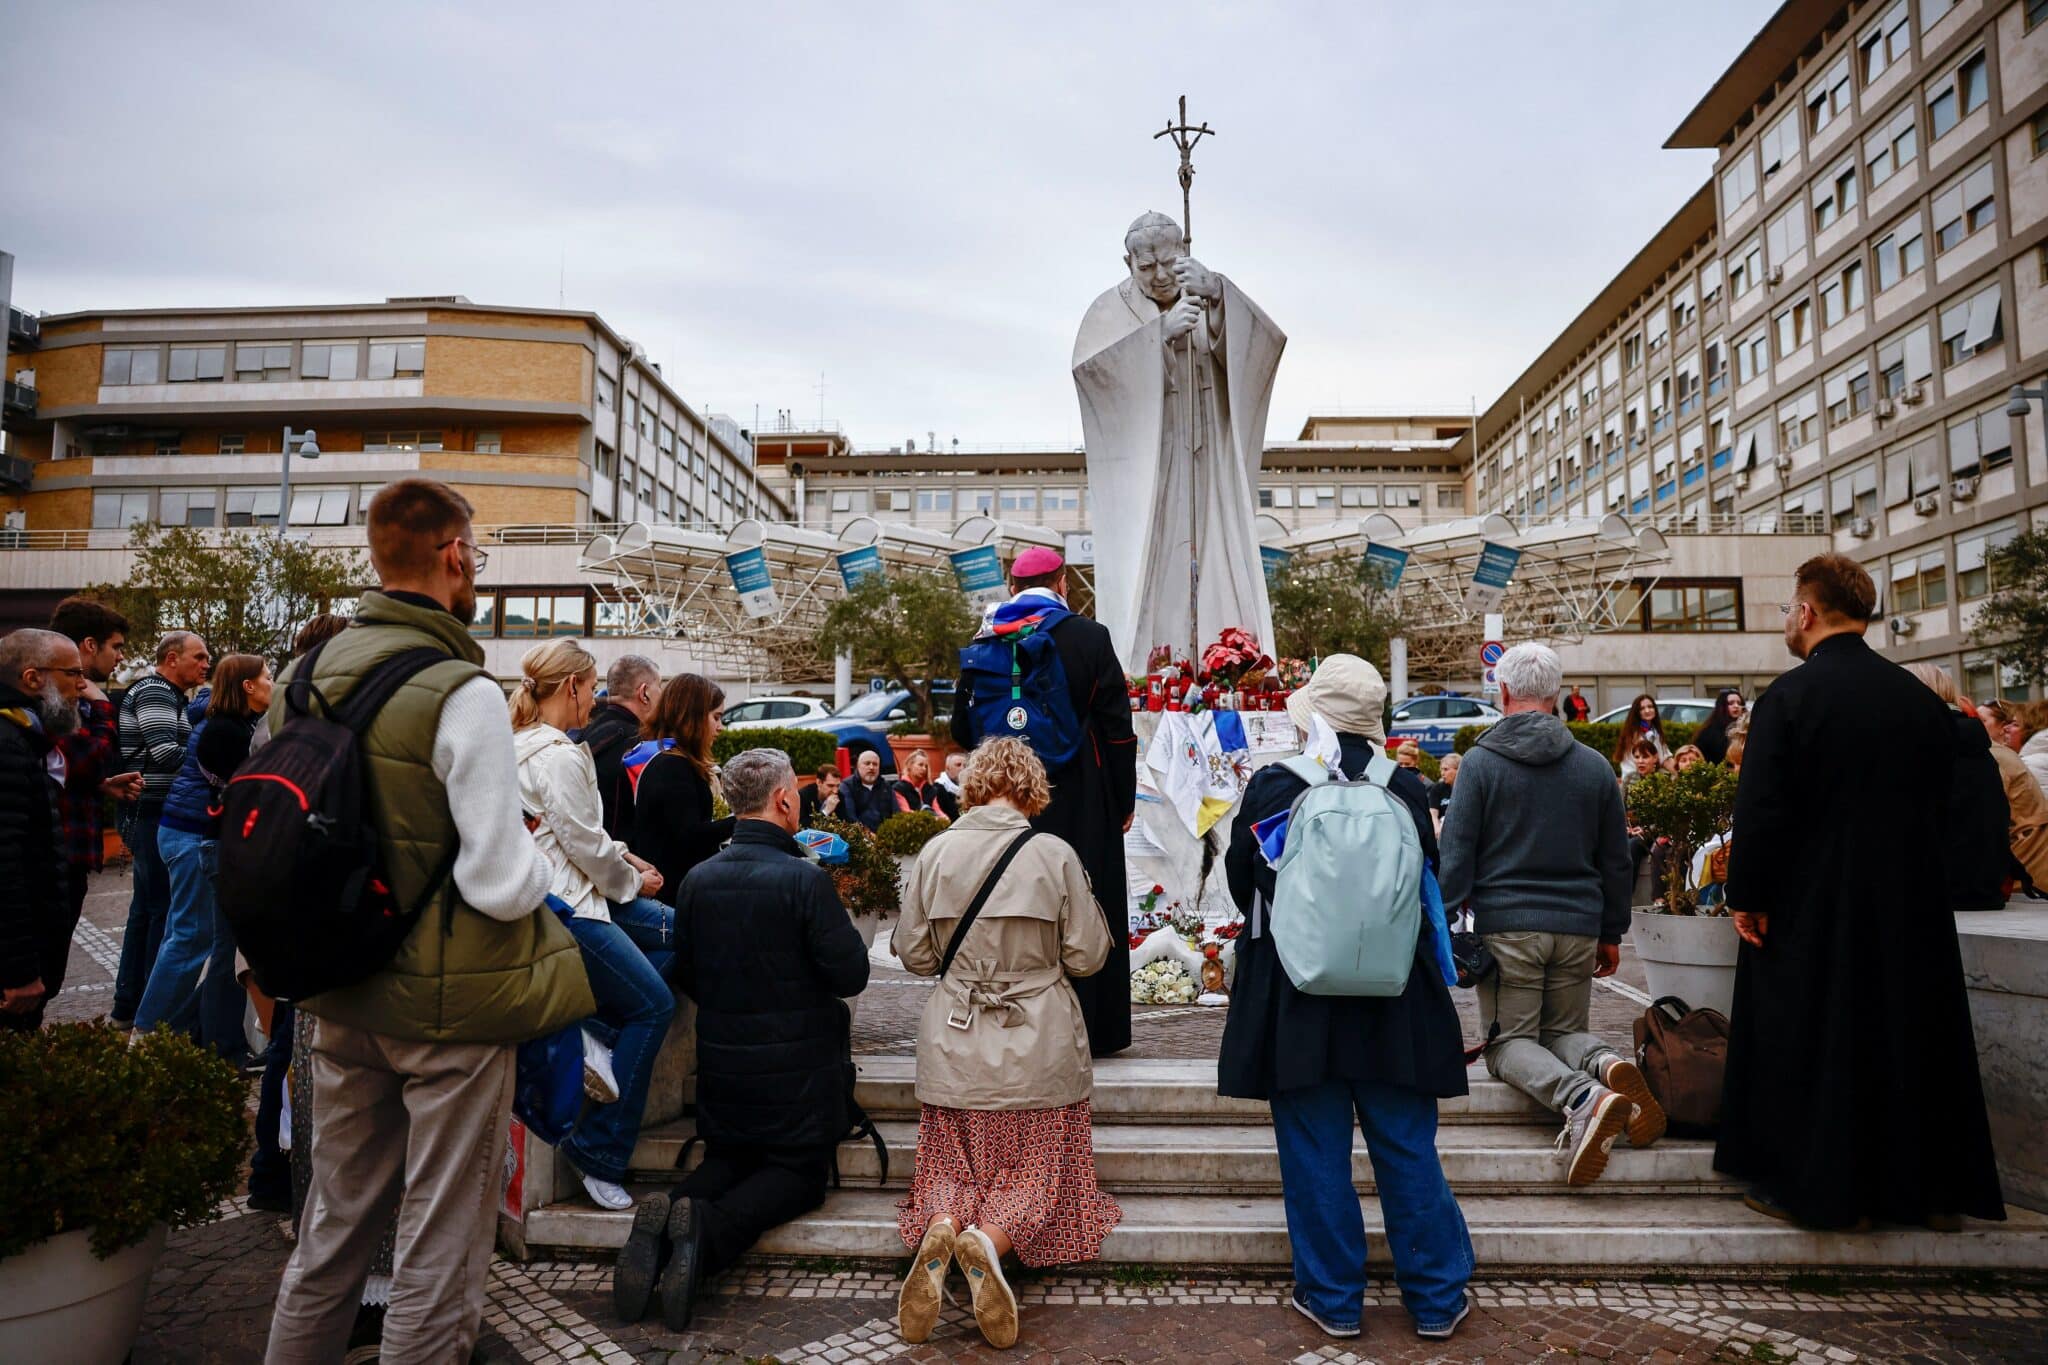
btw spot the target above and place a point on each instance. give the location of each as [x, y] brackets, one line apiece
[1434, 722]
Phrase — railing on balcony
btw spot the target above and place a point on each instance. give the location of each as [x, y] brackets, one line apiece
[24, 330]
[19, 400]
[15, 472]
[524, 533]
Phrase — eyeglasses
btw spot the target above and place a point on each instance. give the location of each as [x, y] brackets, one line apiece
[477, 552]
[74, 672]
[1785, 608]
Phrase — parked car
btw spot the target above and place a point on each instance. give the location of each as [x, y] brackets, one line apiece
[1678, 710]
[760, 713]
[1434, 722]
[864, 723]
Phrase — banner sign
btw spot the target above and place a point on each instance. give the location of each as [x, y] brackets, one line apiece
[749, 570]
[858, 566]
[1274, 560]
[979, 572]
[1490, 580]
[1390, 563]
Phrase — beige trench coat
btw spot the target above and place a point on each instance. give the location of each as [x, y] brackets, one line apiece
[1004, 1029]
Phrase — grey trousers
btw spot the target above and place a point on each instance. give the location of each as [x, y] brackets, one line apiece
[1541, 1000]
[414, 1127]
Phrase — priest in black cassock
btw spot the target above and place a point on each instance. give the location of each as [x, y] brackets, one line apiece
[1094, 796]
[1852, 1088]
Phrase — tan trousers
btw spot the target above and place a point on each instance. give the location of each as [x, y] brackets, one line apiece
[393, 1119]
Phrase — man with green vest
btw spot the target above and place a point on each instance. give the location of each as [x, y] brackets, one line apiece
[413, 1067]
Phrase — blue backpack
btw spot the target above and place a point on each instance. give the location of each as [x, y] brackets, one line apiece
[1016, 686]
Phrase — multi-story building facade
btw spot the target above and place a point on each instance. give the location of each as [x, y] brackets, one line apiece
[1824, 336]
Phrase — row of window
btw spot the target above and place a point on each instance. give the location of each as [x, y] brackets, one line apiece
[259, 361]
[114, 510]
[1671, 605]
[1920, 581]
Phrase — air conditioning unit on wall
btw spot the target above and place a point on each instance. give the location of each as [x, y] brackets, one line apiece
[1964, 489]
[1863, 528]
[1927, 504]
[1886, 409]
[1901, 625]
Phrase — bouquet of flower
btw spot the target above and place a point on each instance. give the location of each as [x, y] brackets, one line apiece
[1293, 673]
[1186, 922]
[1234, 658]
[1163, 982]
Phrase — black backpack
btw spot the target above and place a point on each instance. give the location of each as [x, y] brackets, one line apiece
[299, 874]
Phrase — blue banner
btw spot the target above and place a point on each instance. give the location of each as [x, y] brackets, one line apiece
[1388, 562]
[750, 579]
[858, 566]
[1490, 579]
[1274, 560]
[979, 572]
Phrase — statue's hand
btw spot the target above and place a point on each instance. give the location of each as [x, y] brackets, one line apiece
[1183, 318]
[1198, 280]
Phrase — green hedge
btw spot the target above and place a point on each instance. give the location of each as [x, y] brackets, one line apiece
[1600, 738]
[808, 750]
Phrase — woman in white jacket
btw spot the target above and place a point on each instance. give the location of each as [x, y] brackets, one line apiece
[627, 937]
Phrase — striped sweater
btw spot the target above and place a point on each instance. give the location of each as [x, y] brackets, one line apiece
[154, 731]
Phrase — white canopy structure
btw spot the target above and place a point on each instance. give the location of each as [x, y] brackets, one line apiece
[674, 584]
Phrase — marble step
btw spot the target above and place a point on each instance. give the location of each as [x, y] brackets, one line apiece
[1693, 1233]
[1242, 1159]
[1144, 1090]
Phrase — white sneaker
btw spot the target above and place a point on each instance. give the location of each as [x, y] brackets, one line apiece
[607, 1195]
[598, 1081]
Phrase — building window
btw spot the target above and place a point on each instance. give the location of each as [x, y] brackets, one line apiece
[2038, 128]
[385, 441]
[605, 460]
[1631, 352]
[186, 507]
[131, 367]
[1900, 252]
[1362, 495]
[1827, 99]
[1403, 495]
[118, 511]
[1848, 394]
[490, 443]
[1892, 148]
[527, 614]
[2037, 10]
[1888, 40]
[1738, 184]
[1978, 443]
[1452, 499]
[1933, 12]
[1920, 582]
[1779, 144]
[1853, 495]
[1903, 361]
[1786, 234]
[252, 507]
[397, 359]
[255, 363]
[195, 364]
[1834, 196]
[935, 500]
[1976, 572]
[233, 443]
[607, 391]
[1795, 327]
[1964, 209]
[1957, 95]
[1842, 295]
[1971, 325]
[1753, 357]
[483, 620]
[1745, 269]
[666, 441]
[1698, 605]
[892, 500]
[1798, 423]
[328, 359]
[1020, 500]
[1069, 499]
[320, 506]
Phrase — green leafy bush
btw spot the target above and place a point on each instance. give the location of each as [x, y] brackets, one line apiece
[866, 882]
[1687, 808]
[904, 834]
[808, 750]
[97, 1134]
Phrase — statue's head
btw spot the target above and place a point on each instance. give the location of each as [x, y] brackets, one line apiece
[1151, 246]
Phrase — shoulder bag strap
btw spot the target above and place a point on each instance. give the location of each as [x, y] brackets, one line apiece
[361, 706]
[988, 887]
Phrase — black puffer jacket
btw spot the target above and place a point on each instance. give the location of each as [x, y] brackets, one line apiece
[767, 951]
[611, 732]
[31, 868]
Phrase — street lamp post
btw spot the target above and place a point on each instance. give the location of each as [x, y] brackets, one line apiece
[309, 449]
[2017, 402]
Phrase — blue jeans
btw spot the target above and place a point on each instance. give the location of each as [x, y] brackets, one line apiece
[626, 960]
[196, 957]
[149, 902]
[1425, 1228]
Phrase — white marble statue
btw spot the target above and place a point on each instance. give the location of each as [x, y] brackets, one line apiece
[1151, 470]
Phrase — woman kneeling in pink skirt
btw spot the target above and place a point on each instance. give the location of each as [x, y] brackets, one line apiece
[1005, 1148]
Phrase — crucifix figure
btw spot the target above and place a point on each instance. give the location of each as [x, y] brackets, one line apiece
[1174, 369]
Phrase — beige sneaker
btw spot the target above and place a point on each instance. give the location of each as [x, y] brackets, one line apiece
[1623, 1076]
[924, 1287]
[1589, 1134]
[995, 1304]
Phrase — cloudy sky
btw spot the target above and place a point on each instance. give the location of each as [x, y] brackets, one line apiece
[916, 202]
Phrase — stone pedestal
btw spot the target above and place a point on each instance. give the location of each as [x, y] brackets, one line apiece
[2005, 962]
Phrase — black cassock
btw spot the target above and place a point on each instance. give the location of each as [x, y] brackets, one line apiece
[1852, 1085]
[1092, 797]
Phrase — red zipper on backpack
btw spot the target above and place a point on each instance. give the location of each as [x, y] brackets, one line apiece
[285, 782]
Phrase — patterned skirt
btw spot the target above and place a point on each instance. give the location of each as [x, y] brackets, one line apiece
[1030, 1172]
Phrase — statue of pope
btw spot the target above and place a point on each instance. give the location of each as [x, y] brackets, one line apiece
[1162, 467]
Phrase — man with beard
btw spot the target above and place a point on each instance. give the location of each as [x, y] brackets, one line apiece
[1852, 1091]
[39, 677]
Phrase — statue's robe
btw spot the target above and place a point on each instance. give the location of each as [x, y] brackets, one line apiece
[1146, 482]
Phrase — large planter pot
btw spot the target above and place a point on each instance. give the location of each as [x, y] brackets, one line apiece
[934, 747]
[1689, 956]
[60, 1302]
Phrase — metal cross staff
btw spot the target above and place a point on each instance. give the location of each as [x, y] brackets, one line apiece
[1185, 137]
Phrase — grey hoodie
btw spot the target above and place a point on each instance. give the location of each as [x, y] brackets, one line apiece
[1537, 839]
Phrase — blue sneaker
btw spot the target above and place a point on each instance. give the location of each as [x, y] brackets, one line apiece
[1335, 1329]
[1441, 1331]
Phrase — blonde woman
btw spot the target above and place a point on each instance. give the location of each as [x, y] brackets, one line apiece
[627, 938]
[1005, 1144]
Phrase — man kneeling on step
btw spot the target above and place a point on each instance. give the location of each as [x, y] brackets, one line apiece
[1537, 843]
[767, 951]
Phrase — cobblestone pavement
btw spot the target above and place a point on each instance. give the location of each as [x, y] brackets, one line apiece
[210, 1300]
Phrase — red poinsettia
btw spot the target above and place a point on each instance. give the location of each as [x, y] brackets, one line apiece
[1235, 654]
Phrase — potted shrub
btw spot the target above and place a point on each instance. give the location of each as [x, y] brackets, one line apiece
[1687, 950]
[103, 1148]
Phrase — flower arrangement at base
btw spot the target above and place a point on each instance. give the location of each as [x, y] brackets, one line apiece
[1163, 981]
[1235, 658]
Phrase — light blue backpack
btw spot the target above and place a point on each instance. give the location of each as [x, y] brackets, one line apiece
[1347, 897]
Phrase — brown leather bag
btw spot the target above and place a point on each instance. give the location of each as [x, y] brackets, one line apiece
[1683, 1053]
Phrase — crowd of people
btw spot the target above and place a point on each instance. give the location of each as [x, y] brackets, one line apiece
[585, 861]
